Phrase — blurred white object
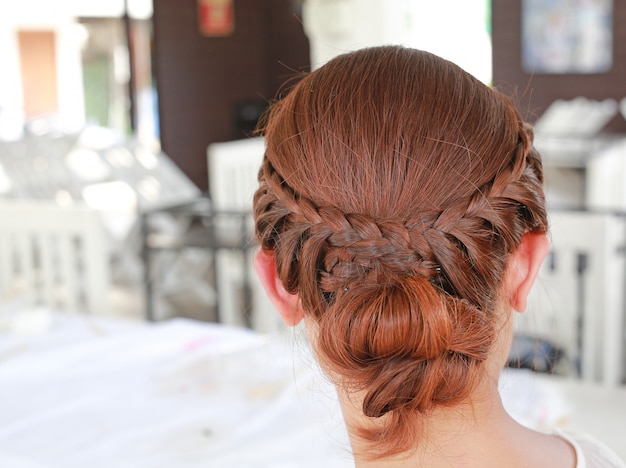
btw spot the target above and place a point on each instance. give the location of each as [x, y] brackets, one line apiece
[334, 27]
[25, 322]
[584, 165]
[53, 256]
[5, 183]
[564, 187]
[568, 133]
[87, 165]
[233, 171]
[579, 117]
[103, 392]
[606, 178]
[233, 179]
[583, 279]
[338, 26]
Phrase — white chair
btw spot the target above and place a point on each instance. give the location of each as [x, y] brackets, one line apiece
[578, 300]
[605, 176]
[54, 257]
[233, 172]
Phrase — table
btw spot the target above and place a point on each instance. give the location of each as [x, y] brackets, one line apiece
[79, 391]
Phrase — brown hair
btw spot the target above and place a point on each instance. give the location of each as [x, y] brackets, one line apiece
[394, 187]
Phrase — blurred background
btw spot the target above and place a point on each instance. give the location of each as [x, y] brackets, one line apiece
[132, 326]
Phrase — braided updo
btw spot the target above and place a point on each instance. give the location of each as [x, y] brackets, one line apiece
[393, 189]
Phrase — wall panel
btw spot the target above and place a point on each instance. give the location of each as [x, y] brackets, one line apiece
[203, 81]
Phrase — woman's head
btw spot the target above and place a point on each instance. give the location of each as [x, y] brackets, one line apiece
[393, 190]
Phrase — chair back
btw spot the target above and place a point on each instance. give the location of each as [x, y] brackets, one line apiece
[54, 256]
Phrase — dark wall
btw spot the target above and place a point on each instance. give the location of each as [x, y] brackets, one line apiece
[534, 93]
[205, 82]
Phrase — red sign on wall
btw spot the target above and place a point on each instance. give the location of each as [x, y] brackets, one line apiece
[216, 17]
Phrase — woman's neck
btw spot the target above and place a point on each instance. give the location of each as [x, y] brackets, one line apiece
[479, 433]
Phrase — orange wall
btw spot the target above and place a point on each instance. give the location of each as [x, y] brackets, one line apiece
[39, 72]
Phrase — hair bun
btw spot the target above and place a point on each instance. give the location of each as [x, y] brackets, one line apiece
[405, 346]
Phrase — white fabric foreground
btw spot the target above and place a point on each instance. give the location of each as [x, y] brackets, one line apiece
[104, 393]
[80, 391]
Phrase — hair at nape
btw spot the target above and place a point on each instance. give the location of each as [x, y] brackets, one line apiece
[393, 189]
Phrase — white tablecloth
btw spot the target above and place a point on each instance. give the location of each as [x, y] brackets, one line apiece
[106, 393]
[79, 392]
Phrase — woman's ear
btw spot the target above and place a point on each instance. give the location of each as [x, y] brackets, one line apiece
[523, 267]
[288, 305]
